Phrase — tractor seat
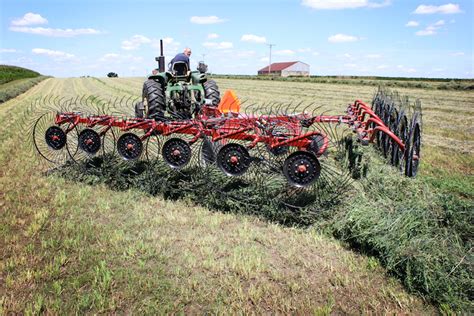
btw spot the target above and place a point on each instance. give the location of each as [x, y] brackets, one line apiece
[180, 70]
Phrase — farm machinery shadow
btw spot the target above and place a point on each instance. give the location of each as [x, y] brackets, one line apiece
[258, 195]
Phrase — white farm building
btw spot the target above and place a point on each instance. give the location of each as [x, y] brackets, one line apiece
[292, 68]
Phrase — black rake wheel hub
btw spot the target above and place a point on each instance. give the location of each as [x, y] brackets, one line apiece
[233, 159]
[176, 152]
[89, 141]
[301, 168]
[129, 146]
[55, 137]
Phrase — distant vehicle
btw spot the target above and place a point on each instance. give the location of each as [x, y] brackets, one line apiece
[112, 75]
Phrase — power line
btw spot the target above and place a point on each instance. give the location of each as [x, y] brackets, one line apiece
[270, 59]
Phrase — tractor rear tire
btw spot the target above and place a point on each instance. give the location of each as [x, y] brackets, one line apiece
[155, 97]
[211, 91]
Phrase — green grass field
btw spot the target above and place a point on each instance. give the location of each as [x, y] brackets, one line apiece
[11, 73]
[74, 248]
[16, 80]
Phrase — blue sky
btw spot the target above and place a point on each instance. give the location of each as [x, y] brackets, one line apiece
[410, 38]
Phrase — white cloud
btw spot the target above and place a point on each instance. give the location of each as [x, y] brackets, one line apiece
[22, 25]
[8, 50]
[373, 56]
[431, 29]
[315, 53]
[30, 19]
[347, 55]
[449, 8]
[221, 45]
[264, 59]
[335, 4]
[343, 38]
[382, 67]
[120, 59]
[135, 42]
[379, 4]
[303, 50]
[110, 57]
[21, 61]
[212, 19]
[406, 69]
[426, 32]
[212, 36]
[285, 52]
[343, 4]
[55, 54]
[253, 38]
[170, 46]
[245, 54]
[412, 24]
[54, 32]
[457, 54]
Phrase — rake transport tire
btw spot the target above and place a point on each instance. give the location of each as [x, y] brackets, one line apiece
[156, 99]
[211, 91]
[208, 152]
[140, 109]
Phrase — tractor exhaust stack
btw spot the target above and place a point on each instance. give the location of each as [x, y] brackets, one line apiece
[161, 58]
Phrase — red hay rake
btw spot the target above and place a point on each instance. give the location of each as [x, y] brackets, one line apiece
[293, 146]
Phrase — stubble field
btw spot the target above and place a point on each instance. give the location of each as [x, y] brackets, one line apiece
[70, 247]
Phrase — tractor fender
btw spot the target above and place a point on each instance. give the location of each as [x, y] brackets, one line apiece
[160, 77]
[198, 78]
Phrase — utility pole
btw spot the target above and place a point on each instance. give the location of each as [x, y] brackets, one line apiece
[270, 65]
[203, 55]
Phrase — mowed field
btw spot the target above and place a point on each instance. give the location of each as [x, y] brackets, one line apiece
[69, 247]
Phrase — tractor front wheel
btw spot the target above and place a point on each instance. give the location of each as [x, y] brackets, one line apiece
[155, 99]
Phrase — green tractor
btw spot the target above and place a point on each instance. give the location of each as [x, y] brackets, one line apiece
[178, 93]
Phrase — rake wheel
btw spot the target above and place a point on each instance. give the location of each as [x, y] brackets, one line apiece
[233, 159]
[129, 146]
[413, 147]
[401, 131]
[392, 124]
[176, 152]
[51, 141]
[301, 168]
[89, 141]
[55, 138]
